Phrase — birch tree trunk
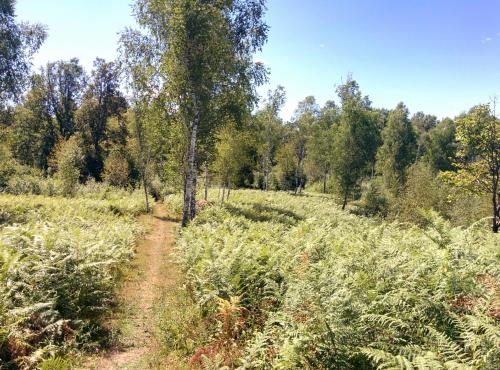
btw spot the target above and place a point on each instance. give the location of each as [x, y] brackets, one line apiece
[192, 205]
[191, 173]
[206, 181]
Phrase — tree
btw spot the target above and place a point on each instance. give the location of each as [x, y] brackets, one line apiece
[18, 42]
[141, 74]
[205, 56]
[441, 146]
[478, 156]
[33, 132]
[65, 83]
[356, 139]
[269, 137]
[302, 125]
[116, 169]
[422, 123]
[232, 148]
[101, 101]
[320, 146]
[398, 150]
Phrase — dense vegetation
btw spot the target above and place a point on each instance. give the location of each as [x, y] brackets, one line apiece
[294, 282]
[362, 238]
[60, 260]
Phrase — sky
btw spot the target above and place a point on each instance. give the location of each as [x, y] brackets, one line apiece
[437, 56]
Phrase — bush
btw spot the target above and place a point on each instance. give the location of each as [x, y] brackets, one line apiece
[373, 201]
[7, 166]
[423, 191]
[116, 170]
[24, 184]
[68, 160]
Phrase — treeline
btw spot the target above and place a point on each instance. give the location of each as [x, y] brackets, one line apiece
[384, 162]
[179, 105]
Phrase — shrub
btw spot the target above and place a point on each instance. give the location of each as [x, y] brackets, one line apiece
[68, 159]
[116, 170]
[7, 166]
[373, 201]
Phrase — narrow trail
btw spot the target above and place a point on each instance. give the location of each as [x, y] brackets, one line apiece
[154, 273]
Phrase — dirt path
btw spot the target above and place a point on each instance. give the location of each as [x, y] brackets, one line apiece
[156, 273]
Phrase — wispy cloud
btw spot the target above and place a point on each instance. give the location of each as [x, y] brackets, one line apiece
[322, 46]
[486, 39]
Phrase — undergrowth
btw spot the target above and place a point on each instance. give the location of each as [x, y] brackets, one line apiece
[60, 260]
[291, 282]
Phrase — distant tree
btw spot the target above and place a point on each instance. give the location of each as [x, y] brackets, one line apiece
[287, 166]
[102, 100]
[478, 156]
[398, 150]
[65, 84]
[18, 42]
[116, 169]
[231, 156]
[422, 123]
[270, 131]
[302, 125]
[33, 133]
[441, 146]
[356, 139]
[141, 72]
[320, 145]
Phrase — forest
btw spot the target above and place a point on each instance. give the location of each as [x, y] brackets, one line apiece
[346, 237]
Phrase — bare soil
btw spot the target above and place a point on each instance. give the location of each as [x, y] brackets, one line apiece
[154, 273]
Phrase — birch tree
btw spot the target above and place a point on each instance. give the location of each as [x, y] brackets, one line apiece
[205, 54]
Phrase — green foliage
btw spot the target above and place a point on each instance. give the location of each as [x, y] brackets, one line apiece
[68, 161]
[441, 146]
[398, 150]
[373, 201]
[478, 162]
[7, 166]
[18, 43]
[232, 154]
[116, 170]
[33, 133]
[325, 289]
[356, 140]
[59, 263]
[423, 191]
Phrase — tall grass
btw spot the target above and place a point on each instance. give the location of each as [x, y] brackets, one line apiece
[59, 263]
[320, 288]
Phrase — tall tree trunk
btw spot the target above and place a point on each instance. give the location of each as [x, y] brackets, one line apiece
[206, 181]
[188, 192]
[144, 184]
[266, 172]
[192, 205]
[228, 191]
[496, 206]
[223, 193]
[324, 183]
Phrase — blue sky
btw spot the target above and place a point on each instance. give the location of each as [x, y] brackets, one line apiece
[438, 56]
